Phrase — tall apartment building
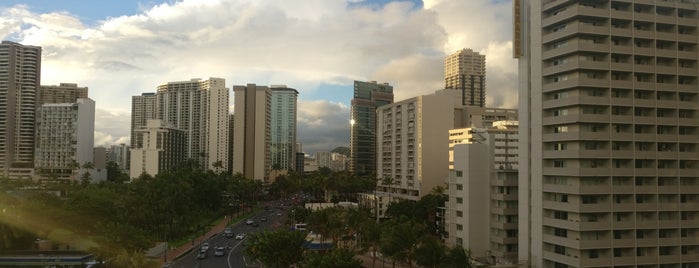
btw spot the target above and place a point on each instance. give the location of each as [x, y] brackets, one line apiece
[367, 97]
[484, 171]
[465, 71]
[200, 108]
[252, 131]
[63, 93]
[119, 154]
[482, 117]
[231, 134]
[609, 101]
[413, 143]
[65, 139]
[283, 127]
[143, 108]
[19, 84]
[161, 147]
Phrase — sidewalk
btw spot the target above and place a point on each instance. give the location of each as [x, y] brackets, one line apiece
[180, 251]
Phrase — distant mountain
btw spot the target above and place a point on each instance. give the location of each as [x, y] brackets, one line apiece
[342, 150]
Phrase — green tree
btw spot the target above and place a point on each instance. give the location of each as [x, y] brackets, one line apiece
[280, 248]
[114, 173]
[337, 258]
[400, 239]
[458, 257]
[430, 252]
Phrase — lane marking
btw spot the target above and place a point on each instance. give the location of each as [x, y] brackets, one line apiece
[231, 251]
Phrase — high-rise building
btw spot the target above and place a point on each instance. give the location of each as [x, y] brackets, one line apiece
[231, 133]
[161, 147]
[200, 109]
[65, 139]
[413, 145]
[609, 99]
[252, 131]
[63, 93]
[465, 71]
[143, 108]
[482, 207]
[19, 84]
[367, 97]
[119, 154]
[283, 127]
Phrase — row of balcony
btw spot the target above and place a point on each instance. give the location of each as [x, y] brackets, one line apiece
[608, 135]
[621, 189]
[608, 224]
[607, 206]
[603, 101]
[622, 84]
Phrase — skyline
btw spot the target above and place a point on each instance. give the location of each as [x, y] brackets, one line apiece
[318, 48]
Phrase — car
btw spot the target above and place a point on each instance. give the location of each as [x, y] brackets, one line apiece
[240, 236]
[201, 255]
[249, 221]
[279, 213]
[219, 251]
[263, 219]
[228, 232]
[254, 224]
[205, 247]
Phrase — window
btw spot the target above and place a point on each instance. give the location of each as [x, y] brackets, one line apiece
[560, 129]
[559, 146]
[459, 173]
[558, 249]
[560, 112]
[459, 227]
[560, 232]
[561, 215]
[559, 163]
[459, 213]
[459, 187]
[459, 200]
[593, 254]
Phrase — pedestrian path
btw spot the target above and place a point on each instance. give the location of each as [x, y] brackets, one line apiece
[180, 251]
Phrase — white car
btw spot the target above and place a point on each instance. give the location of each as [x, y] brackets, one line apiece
[205, 247]
[240, 236]
[250, 221]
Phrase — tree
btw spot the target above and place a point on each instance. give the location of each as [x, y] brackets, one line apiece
[458, 257]
[280, 248]
[400, 239]
[337, 258]
[430, 252]
[114, 173]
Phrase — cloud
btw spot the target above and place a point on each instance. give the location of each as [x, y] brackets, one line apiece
[302, 44]
[322, 125]
[111, 127]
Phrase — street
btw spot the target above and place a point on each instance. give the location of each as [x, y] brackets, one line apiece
[234, 249]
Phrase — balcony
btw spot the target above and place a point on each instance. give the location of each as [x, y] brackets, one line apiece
[626, 206]
[629, 242]
[687, 38]
[599, 207]
[669, 241]
[647, 242]
[669, 224]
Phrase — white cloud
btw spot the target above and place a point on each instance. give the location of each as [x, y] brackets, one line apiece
[302, 44]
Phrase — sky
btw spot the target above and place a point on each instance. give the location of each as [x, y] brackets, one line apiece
[122, 48]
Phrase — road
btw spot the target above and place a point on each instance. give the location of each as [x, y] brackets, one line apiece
[233, 256]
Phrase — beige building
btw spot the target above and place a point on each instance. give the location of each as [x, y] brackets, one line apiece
[483, 117]
[161, 147]
[200, 108]
[465, 71]
[252, 133]
[484, 171]
[412, 143]
[609, 101]
[20, 76]
[63, 93]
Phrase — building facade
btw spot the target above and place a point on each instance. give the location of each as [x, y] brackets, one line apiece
[465, 71]
[413, 144]
[367, 97]
[283, 127]
[200, 108]
[119, 154]
[252, 131]
[65, 139]
[609, 103]
[143, 108]
[484, 171]
[161, 147]
[63, 93]
[19, 85]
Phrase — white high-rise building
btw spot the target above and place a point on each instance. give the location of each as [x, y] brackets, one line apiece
[200, 108]
[162, 147]
[609, 105]
[143, 108]
[65, 139]
[482, 207]
[20, 73]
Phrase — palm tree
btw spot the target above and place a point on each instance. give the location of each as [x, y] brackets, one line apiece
[280, 248]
